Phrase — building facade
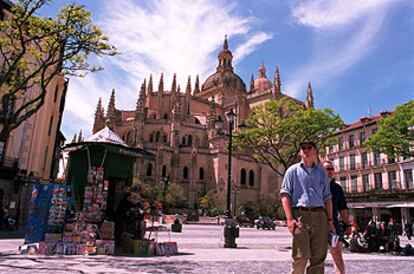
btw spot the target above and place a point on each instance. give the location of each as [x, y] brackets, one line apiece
[32, 150]
[178, 127]
[377, 187]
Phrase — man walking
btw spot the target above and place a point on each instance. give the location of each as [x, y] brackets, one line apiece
[306, 200]
[339, 206]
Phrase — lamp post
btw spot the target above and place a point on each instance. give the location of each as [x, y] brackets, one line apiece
[230, 229]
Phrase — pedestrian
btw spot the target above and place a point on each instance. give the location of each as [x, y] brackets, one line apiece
[2, 214]
[306, 200]
[408, 230]
[339, 207]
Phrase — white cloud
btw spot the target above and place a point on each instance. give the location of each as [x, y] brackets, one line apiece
[328, 13]
[250, 45]
[345, 31]
[182, 37]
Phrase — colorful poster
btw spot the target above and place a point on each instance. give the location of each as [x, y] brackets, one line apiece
[38, 212]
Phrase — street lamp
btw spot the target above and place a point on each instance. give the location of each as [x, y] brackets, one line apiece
[230, 229]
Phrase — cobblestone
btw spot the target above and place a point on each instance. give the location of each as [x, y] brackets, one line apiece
[201, 252]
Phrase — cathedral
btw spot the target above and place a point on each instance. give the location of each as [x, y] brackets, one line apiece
[178, 127]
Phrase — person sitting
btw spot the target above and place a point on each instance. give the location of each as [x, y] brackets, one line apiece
[357, 245]
[384, 237]
[408, 250]
[371, 236]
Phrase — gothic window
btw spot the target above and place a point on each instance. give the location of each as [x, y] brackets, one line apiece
[165, 116]
[154, 116]
[201, 175]
[157, 137]
[190, 140]
[164, 171]
[185, 173]
[165, 138]
[151, 139]
[251, 178]
[243, 176]
[183, 141]
[149, 170]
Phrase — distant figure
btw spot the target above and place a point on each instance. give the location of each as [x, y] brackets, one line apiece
[340, 207]
[408, 230]
[2, 214]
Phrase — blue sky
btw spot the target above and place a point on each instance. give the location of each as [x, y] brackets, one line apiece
[358, 55]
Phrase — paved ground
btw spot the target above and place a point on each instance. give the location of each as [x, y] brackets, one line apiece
[200, 252]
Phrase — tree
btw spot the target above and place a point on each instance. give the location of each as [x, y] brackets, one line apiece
[34, 50]
[207, 200]
[171, 194]
[275, 129]
[395, 135]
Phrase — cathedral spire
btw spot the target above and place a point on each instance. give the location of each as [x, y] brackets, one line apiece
[197, 85]
[74, 139]
[80, 137]
[161, 84]
[150, 85]
[111, 105]
[99, 121]
[225, 58]
[309, 97]
[277, 83]
[141, 98]
[110, 112]
[262, 71]
[252, 84]
[188, 87]
[225, 44]
[174, 84]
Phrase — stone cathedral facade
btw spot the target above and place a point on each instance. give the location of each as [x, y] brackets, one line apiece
[177, 125]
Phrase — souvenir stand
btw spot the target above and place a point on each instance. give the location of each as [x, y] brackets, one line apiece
[78, 214]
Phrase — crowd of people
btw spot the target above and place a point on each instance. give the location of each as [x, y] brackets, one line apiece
[381, 237]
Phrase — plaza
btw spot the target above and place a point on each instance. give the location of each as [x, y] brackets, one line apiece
[200, 251]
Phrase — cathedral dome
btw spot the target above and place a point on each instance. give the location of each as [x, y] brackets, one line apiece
[262, 83]
[226, 79]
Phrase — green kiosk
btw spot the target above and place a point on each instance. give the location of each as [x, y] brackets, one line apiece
[107, 152]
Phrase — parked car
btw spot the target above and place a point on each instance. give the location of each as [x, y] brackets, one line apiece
[244, 221]
[264, 222]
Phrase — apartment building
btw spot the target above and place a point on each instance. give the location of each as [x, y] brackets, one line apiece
[31, 152]
[376, 186]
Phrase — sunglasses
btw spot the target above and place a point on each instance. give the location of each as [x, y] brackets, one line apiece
[330, 169]
[306, 147]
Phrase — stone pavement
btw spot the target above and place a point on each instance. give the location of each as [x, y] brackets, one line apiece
[200, 252]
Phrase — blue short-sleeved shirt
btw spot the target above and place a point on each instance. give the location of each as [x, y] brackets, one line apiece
[306, 188]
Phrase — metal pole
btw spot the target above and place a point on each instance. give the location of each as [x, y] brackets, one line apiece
[229, 170]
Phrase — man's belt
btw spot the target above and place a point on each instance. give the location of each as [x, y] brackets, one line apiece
[317, 208]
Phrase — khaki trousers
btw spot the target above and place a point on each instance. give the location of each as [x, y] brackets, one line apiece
[310, 243]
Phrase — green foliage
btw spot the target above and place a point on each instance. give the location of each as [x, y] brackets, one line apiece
[249, 209]
[208, 200]
[214, 212]
[269, 204]
[34, 50]
[395, 135]
[275, 129]
[171, 195]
